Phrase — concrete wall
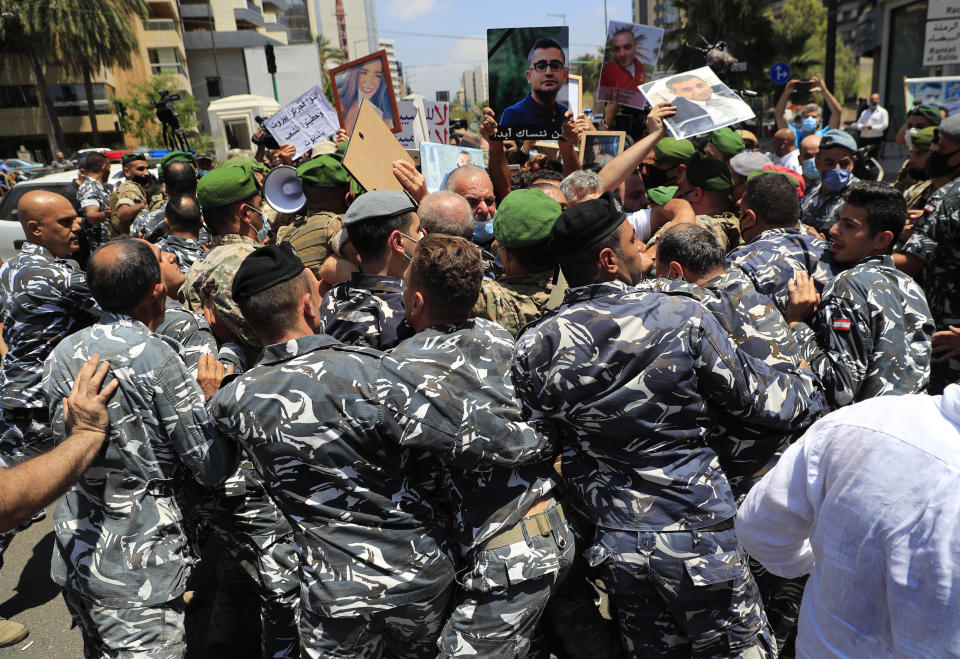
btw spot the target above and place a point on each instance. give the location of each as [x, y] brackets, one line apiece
[298, 69]
[233, 77]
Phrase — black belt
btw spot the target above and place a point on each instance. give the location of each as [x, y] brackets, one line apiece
[725, 525]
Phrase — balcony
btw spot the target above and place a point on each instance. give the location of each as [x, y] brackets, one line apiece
[159, 24]
[226, 40]
[196, 11]
[248, 17]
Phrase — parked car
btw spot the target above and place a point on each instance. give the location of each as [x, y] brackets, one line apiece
[23, 165]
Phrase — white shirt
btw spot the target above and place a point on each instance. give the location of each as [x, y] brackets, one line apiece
[873, 122]
[869, 500]
[720, 108]
[791, 161]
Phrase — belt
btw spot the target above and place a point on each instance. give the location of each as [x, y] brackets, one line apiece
[725, 525]
[535, 525]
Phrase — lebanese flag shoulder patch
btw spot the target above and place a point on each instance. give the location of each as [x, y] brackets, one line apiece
[842, 324]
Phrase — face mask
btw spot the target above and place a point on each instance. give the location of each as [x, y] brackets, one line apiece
[202, 172]
[809, 124]
[810, 169]
[142, 180]
[908, 136]
[483, 232]
[937, 164]
[654, 177]
[265, 229]
[835, 180]
[918, 173]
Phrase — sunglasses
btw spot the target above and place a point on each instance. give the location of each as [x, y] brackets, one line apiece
[541, 65]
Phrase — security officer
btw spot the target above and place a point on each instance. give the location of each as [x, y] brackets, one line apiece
[520, 229]
[372, 564]
[871, 333]
[711, 184]
[723, 144]
[633, 382]
[178, 176]
[835, 160]
[130, 197]
[367, 310]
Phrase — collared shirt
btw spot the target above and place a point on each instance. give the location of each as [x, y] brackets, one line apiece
[871, 334]
[45, 298]
[366, 310]
[873, 122]
[819, 209]
[633, 382]
[309, 417]
[771, 259]
[187, 250]
[119, 534]
[530, 115]
[867, 504]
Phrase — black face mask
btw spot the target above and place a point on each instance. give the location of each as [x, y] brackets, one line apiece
[654, 177]
[142, 180]
[937, 164]
[918, 173]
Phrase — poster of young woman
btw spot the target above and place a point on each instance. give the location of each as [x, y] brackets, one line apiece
[368, 78]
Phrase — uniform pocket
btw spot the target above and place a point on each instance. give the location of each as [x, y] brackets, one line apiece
[715, 568]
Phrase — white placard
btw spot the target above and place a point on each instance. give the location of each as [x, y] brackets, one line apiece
[412, 121]
[438, 122]
[937, 9]
[308, 119]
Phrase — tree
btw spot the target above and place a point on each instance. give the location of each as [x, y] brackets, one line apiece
[588, 67]
[141, 117]
[329, 54]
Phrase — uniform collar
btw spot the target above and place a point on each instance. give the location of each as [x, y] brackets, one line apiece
[381, 283]
[112, 318]
[279, 353]
[590, 291]
[232, 239]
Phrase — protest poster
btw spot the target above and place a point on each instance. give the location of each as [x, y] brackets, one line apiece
[527, 70]
[629, 60]
[600, 147]
[437, 117]
[412, 122]
[703, 103]
[372, 150]
[306, 120]
[943, 91]
[438, 160]
[575, 93]
[367, 78]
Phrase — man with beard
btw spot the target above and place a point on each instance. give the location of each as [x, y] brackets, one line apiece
[547, 74]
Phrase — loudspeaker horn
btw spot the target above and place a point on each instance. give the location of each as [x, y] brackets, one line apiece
[283, 190]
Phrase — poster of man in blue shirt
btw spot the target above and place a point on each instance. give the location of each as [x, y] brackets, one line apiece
[541, 54]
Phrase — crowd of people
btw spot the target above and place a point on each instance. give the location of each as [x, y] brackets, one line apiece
[549, 411]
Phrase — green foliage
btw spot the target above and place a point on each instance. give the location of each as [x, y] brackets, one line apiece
[330, 56]
[588, 67]
[141, 120]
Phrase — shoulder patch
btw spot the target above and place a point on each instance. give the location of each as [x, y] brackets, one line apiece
[842, 324]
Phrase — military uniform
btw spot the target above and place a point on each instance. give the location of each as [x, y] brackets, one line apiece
[918, 195]
[366, 310]
[131, 193]
[121, 552]
[187, 250]
[771, 259]
[871, 335]
[209, 279]
[150, 225]
[512, 301]
[340, 482]
[633, 382]
[310, 236]
[193, 334]
[819, 208]
[449, 389]
[904, 179]
[92, 193]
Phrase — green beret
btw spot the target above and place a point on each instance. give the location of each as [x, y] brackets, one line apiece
[662, 194]
[224, 186]
[727, 141]
[584, 225]
[247, 162]
[130, 157]
[923, 138]
[524, 218]
[325, 172]
[673, 152]
[709, 173]
[174, 156]
[929, 112]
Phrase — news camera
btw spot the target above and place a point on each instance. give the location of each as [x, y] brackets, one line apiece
[268, 141]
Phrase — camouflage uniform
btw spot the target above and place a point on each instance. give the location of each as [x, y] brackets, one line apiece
[633, 381]
[193, 334]
[310, 236]
[366, 310]
[187, 250]
[120, 541]
[819, 209]
[340, 482]
[131, 193]
[209, 279]
[771, 259]
[904, 179]
[918, 195]
[726, 227]
[150, 225]
[449, 389]
[935, 242]
[871, 335]
[513, 300]
[93, 193]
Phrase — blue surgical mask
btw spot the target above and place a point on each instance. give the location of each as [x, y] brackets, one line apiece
[483, 232]
[265, 229]
[809, 124]
[835, 180]
[810, 169]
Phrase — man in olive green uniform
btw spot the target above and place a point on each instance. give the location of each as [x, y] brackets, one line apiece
[131, 197]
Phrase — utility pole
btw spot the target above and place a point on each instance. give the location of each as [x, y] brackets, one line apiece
[830, 61]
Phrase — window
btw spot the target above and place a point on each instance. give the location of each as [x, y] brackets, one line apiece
[71, 100]
[238, 134]
[165, 60]
[213, 87]
[18, 96]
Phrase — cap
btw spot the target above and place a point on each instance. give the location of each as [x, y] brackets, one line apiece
[204, 156]
[174, 156]
[727, 141]
[248, 162]
[709, 173]
[263, 269]
[748, 161]
[929, 112]
[525, 218]
[130, 157]
[662, 194]
[324, 172]
[749, 139]
[950, 128]
[584, 225]
[379, 205]
[923, 138]
[834, 138]
[673, 152]
[225, 186]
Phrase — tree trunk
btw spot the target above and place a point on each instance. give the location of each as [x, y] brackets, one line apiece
[54, 131]
[91, 108]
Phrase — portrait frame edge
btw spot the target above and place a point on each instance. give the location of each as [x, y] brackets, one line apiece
[621, 134]
[360, 61]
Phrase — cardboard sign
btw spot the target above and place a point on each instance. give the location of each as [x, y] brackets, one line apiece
[307, 120]
[372, 150]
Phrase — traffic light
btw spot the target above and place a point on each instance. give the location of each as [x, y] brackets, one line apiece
[271, 60]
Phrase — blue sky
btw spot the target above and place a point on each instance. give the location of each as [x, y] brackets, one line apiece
[434, 63]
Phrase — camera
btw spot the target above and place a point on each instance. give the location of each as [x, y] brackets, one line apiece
[166, 114]
[268, 140]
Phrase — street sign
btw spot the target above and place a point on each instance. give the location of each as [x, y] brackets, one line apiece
[779, 73]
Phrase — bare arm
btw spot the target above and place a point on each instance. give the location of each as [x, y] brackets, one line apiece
[781, 107]
[127, 213]
[30, 486]
[835, 108]
[617, 170]
[573, 128]
[498, 168]
[908, 263]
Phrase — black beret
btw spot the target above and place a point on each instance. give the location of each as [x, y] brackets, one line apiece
[584, 225]
[265, 268]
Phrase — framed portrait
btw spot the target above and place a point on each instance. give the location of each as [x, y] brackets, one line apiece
[600, 147]
[575, 93]
[703, 103]
[527, 70]
[367, 78]
[438, 160]
[629, 60]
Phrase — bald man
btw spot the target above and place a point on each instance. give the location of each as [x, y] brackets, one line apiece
[785, 150]
[809, 148]
[474, 184]
[446, 212]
